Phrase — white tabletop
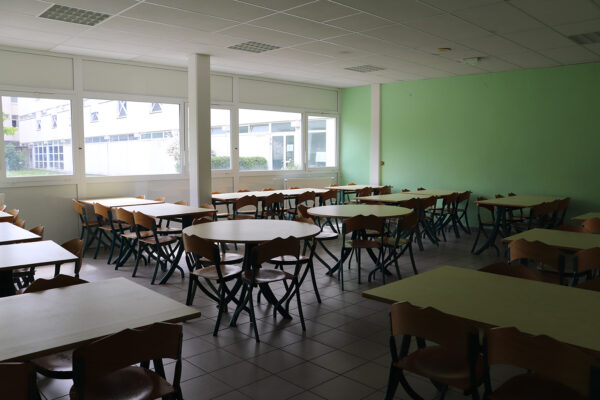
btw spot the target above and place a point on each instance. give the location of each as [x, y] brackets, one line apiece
[10, 233]
[352, 210]
[353, 187]
[265, 193]
[36, 324]
[6, 217]
[252, 230]
[168, 210]
[42, 252]
[120, 201]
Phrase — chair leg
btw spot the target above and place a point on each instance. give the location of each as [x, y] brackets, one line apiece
[158, 264]
[98, 242]
[112, 247]
[252, 316]
[222, 307]
[300, 313]
[392, 385]
[191, 290]
[412, 259]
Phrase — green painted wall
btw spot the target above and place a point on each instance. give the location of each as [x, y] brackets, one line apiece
[533, 131]
[355, 131]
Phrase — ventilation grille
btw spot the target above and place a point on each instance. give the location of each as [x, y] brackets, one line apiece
[254, 47]
[586, 38]
[365, 68]
[74, 15]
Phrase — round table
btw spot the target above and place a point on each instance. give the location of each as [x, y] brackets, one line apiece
[352, 210]
[252, 231]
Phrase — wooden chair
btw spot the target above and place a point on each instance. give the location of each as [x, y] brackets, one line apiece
[22, 277]
[484, 223]
[585, 262]
[405, 190]
[561, 211]
[548, 258]
[74, 246]
[455, 361]
[556, 370]
[20, 223]
[356, 226]
[306, 198]
[262, 277]
[243, 190]
[273, 206]
[540, 216]
[421, 188]
[217, 203]
[15, 213]
[88, 226]
[592, 225]
[163, 248]
[593, 284]
[141, 196]
[18, 381]
[105, 369]
[268, 189]
[128, 235]
[398, 244]
[321, 238]
[161, 199]
[204, 261]
[167, 230]
[515, 271]
[570, 228]
[462, 211]
[445, 215]
[366, 191]
[330, 197]
[246, 201]
[58, 365]
[2, 207]
[108, 228]
[385, 190]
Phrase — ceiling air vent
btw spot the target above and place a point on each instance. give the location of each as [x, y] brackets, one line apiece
[74, 15]
[365, 68]
[254, 47]
[586, 38]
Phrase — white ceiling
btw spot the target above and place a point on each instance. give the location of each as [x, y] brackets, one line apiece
[319, 38]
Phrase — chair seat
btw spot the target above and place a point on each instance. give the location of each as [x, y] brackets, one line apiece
[288, 260]
[222, 215]
[268, 275]
[533, 386]
[132, 235]
[58, 365]
[211, 273]
[391, 242]
[231, 258]
[127, 384]
[441, 365]
[168, 231]
[362, 244]
[163, 240]
[324, 235]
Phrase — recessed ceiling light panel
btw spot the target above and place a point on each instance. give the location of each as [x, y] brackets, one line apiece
[365, 68]
[254, 47]
[74, 15]
[586, 38]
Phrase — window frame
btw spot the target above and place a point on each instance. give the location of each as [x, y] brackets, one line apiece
[232, 146]
[337, 142]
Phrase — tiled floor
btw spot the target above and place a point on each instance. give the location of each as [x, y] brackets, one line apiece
[342, 355]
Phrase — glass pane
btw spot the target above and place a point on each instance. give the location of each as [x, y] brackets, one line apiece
[114, 145]
[321, 141]
[272, 142]
[220, 139]
[36, 129]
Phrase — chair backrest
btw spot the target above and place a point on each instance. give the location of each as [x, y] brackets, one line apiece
[449, 200]
[430, 324]
[405, 190]
[428, 202]
[592, 284]
[556, 360]
[182, 203]
[306, 196]
[141, 196]
[588, 259]
[592, 225]
[511, 194]
[20, 223]
[304, 220]
[385, 190]
[328, 196]
[245, 201]
[421, 188]
[499, 196]
[351, 183]
[464, 196]
[268, 189]
[2, 207]
[102, 211]
[160, 199]
[144, 221]
[14, 212]
[275, 248]
[537, 251]
[125, 216]
[18, 381]
[486, 206]
[78, 208]
[95, 360]
[410, 203]
[409, 221]
[58, 281]
[295, 187]
[74, 246]
[303, 211]
[516, 271]
[243, 190]
[202, 220]
[201, 248]
[38, 230]
[361, 222]
[364, 192]
[543, 209]
[272, 199]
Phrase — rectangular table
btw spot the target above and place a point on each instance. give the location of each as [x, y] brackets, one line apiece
[563, 240]
[231, 197]
[6, 217]
[393, 198]
[31, 254]
[10, 233]
[585, 216]
[37, 324]
[562, 312]
[504, 204]
[120, 201]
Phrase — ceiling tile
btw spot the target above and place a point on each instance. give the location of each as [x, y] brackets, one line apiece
[558, 12]
[227, 9]
[321, 10]
[409, 37]
[579, 27]
[7, 31]
[360, 22]
[493, 64]
[499, 17]
[329, 49]
[593, 47]
[175, 17]
[26, 44]
[298, 26]
[254, 33]
[29, 7]
[105, 6]
[571, 55]
[493, 44]
[301, 56]
[40, 24]
[447, 26]
[454, 5]
[278, 5]
[529, 59]
[538, 39]
[395, 10]
[365, 43]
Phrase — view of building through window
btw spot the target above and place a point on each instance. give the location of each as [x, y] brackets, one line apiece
[37, 136]
[321, 142]
[270, 140]
[220, 138]
[131, 138]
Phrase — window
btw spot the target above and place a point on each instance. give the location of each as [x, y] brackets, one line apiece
[94, 116]
[140, 144]
[156, 108]
[270, 140]
[220, 139]
[122, 109]
[30, 150]
[322, 142]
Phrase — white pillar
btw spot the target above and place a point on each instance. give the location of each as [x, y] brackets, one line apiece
[199, 129]
[374, 165]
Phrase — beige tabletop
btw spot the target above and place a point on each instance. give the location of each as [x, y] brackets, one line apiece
[352, 210]
[393, 198]
[265, 193]
[120, 201]
[349, 188]
[10, 233]
[6, 217]
[519, 201]
[41, 323]
[435, 192]
[168, 210]
[585, 216]
[564, 240]
[42, 252]
[252, 230]
[562, 312]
